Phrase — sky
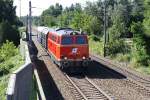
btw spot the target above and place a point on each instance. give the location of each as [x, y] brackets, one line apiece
[42, 5]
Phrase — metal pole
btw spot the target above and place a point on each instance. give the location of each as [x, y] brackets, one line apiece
[20, 8]
[105, 39]
[30, 22]
[27, 26]
[61, 18]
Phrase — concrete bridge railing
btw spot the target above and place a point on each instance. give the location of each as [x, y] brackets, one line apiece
[20, 82]
[23, 81]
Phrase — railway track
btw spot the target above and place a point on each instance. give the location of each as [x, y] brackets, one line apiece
[145, 82]
[87, 89]
[83, 88]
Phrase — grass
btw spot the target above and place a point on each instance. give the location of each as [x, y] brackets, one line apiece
[132, 64]
[144, 69]
[16, 62]
[3, 85]
[140, 68]
[121, 57]
[8, 65]
[96, 47]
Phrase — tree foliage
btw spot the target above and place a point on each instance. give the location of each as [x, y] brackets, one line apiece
[124, 19]
[53, 10]
[139, 51]
[8, 22]
[146, 21]
[137, 13]
[7, 51]
[48, 16]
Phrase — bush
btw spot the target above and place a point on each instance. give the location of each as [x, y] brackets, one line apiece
[3, 87]
[5, 68]
[123, 57]
[139, 49]
[94, 37]
[140, 56]
[9, 32]
[7, 51]
[116, 46]
[11, 61]
[96, 47]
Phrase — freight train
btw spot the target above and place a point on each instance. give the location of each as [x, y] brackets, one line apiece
[65, 46]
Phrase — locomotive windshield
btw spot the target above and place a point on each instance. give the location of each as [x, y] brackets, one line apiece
[70, 40]
[67, 40]
[80, 40]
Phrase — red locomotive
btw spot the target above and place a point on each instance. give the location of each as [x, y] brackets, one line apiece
[65, 46]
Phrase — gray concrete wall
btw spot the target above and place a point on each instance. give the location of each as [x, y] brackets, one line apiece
[20, 82]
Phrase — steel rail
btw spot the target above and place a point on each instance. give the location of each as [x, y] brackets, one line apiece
[78, 89]
[93, 84]
[99, 88]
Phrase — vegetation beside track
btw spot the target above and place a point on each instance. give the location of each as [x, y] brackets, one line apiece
[10, 60]
[124, 19]
[97, 47]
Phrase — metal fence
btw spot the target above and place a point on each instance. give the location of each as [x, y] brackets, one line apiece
[39, 90]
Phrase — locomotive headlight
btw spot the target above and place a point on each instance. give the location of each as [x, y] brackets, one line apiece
[65, 58]
[83, 57]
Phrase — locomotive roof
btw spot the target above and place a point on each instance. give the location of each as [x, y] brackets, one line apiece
[45, 31]
[66, 31]
[59, 31]
[41, 28]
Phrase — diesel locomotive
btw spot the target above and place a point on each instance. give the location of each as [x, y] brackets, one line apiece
[66, 46]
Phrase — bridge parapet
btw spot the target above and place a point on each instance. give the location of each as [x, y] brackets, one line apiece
[20, 82]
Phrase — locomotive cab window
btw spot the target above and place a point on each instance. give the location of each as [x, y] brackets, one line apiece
[67, 40]
[81, 40]
[53, 38]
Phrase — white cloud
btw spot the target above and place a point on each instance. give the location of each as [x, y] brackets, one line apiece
[42, 5]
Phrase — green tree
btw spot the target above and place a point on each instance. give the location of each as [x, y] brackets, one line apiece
[64, 19]
[117, 31]
[137, 13]
[77, 7]
[7, 11]
[77, 21]
[49, 21]
[7, 50]
[49, 16]
[95, 9]
[146, 22]
[8, 22]
[118, 27]
[9, 32]
[53, 10]
[95, 26]
[139, 52]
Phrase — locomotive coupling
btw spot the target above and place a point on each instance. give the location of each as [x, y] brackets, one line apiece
[66, 64]
[85, 63]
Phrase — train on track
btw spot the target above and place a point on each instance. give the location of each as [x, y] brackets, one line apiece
[65, 46]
